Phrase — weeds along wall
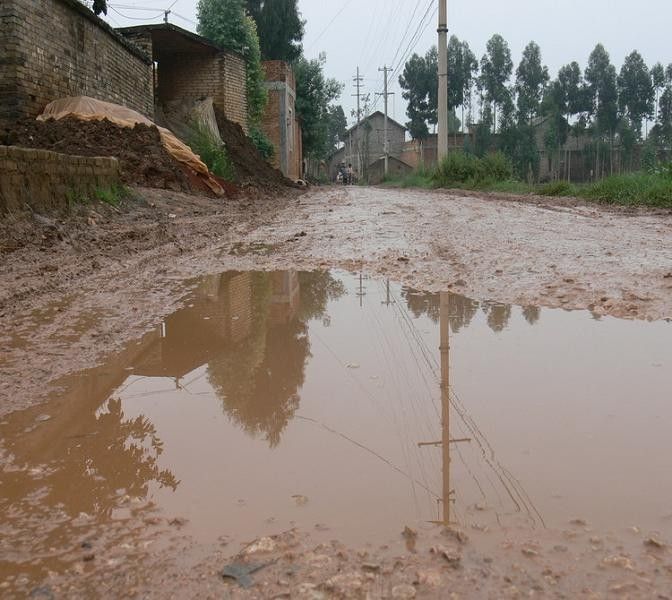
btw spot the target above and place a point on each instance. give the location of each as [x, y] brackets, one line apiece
[47, 180]
[55, 48]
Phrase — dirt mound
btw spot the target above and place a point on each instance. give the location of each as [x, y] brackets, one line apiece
[251, 168]
[144, 160]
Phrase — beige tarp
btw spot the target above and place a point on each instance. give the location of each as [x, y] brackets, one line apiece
[90, 109]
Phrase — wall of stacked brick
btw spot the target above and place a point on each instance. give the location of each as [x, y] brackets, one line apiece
[48, 180]
[279, 122]
[55, 48]
[193, 77]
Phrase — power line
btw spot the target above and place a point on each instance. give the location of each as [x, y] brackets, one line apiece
[338, 14]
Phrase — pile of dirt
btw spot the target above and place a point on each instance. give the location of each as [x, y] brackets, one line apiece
[251, 169]
[143, 159]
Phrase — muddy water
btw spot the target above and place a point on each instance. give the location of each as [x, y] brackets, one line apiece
[348, 407]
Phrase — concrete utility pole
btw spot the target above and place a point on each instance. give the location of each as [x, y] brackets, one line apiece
[386, 141]
[443, 80]
[358, 85]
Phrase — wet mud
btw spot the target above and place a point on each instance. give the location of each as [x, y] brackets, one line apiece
[520, 450]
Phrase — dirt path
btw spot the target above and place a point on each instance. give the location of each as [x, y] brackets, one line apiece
[73, 291]
[103, 277]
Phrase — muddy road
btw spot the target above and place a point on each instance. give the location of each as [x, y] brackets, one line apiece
[311, 400]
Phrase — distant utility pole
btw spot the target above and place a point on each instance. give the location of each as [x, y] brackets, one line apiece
[443, 79]
[165, 15]
[358, 86]
[386, 142]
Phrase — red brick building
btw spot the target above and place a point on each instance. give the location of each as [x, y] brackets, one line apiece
[280, 123]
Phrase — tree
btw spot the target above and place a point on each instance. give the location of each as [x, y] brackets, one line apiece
[496, 69]
[455, 73]
[603, 93]
[419, 83]
[658, 80]
[531, 79]
[99, 6]
[225, 23]
[338, 124]
[469, 73]
[314, 95]
[636, 94]
[280, 28]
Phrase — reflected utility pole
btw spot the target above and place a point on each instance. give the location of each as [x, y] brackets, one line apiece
[446, 493]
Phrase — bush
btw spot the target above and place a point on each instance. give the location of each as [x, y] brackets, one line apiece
[212, 152]
[262, 143]
[632, 189]
[497, 167]
[463, 168]
[556, 188]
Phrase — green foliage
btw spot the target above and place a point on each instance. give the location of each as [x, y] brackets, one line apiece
[226, 23]
[314, 96]
[636, 93]
[419, 83]
[531, 79]
[262, 143]
[556, 188]
[462, 168]
[633, 189]
[212, 152]
[603, 91]
[337, 124]
[113, 195]
[496, 69]
[280, 28]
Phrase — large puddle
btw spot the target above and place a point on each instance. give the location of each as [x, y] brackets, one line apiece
[350, 406]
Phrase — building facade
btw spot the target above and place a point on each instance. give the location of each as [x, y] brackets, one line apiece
[280, 123]
[50, 49]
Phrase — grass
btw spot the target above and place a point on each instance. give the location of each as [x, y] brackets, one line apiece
[212, 152]
[493, 173]
[111, 195]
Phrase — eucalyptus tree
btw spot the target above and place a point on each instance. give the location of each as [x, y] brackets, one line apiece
[531, 79]
[658, 79]
[603, 93]
[496, 70]
[636, 94]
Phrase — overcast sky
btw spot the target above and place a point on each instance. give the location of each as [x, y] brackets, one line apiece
[369, 33]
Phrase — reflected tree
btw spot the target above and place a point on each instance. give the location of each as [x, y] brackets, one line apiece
[115, 454]
[317, 289]
[259, 378]
[461, 309]
[498, 315]
[531, 314]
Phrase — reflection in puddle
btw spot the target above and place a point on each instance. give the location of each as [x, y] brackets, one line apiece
[334, 402]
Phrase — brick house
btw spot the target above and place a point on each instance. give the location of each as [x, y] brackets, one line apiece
[55, 48]
[189, 67]
[280, 123]
[365, 144]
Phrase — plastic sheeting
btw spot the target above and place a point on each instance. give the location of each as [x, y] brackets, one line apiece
[90, 109]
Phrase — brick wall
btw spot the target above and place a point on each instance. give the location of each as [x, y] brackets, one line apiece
[196, 76]
[279, 122]
[55, 48]
[48, 180]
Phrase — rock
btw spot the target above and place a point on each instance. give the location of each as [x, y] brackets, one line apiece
[300, 499]
[456, 534]
[403, 591]
[529, 552]
[42, 593]
[429, 578]
[42, 418]
[654, 543]
[372, 567]
[620, 561]
[88, 557]
[264, 544]
[578, 522]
